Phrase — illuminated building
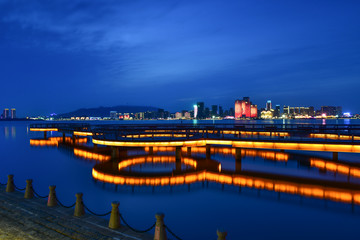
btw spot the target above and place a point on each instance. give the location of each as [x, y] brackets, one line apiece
[221, 111]
[178, 115]
[113, 115]
[267, 114]
[207, 113]
[286, 110]
[238, 109]
[13, 113]
[268, 105]
[214, 110]
[244, 108]
[253, 111]
[331, 111]
[298, 112]
[195, 111]
[187, 115]
[6, 113]
[201, 110]
[277, 111]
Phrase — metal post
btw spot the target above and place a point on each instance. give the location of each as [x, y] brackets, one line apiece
[29, 193]
[189, 151]
[52, 197]
[208, 151]
[238, 159]
[10, 187]
[114, 222]
[160, 231]
[79, 206]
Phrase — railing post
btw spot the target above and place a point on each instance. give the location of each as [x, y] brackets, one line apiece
[79, 205]
[10, 187]
[160, 231]
[52, 197]
[29, 193]
[114, 222]
[221, 234]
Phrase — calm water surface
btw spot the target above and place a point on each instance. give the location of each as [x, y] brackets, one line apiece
[195, 211]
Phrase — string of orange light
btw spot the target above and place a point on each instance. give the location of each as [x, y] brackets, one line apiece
[340, 195]
[328, 147]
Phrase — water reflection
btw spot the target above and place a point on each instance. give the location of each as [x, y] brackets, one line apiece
[6, 131]
[129, 168]
[208, 170]
[54, 141]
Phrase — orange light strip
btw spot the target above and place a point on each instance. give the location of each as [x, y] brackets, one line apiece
[82, 133]
[324, 147]
[43, 129]
[54, 141]
[156, 135]
[244, 181]
[155, 159]
[90, 155]
[151, 144]
[279, 134]
[335, 167]
[333, 136]
[44, 142]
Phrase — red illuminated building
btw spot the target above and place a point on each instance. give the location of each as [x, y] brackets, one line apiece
[244, 108]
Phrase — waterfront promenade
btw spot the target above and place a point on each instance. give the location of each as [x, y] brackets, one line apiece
[31, 219]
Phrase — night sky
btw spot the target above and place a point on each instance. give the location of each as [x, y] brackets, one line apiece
[58, 56]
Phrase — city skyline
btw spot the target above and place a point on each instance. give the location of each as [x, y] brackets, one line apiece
[63, 55]
[241, 109]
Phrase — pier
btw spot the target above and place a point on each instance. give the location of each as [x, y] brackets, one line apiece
[195, 148]
[22, 218]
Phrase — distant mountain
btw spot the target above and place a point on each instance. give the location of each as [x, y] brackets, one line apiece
[105, 111]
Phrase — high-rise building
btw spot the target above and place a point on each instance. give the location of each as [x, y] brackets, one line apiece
[277, 112]
[214, 109]
[298, 112]
[13, 113]
[243, 108]
[113, 114]
[178, 115]
[201, 110]
[286, 110]
[268, 105]
[6, 113]
[231, 112]
[331, 111]
[238, 109]
[207, 113]
[253, 111]
[161, 113]
[195, 111]
[221, 111]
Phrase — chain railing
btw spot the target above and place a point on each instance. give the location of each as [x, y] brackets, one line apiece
[63, 205]
[172, 233]
[52, 195]
[96, 214]
[136, 230]
[38, 195]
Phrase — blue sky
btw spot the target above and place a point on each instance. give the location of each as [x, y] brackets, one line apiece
[57, 56]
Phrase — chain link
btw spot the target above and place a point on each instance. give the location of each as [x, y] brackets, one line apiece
[58, 201]
[19, 189]
[172, 233]
[135, 230]
[93, 213]
[37, 195]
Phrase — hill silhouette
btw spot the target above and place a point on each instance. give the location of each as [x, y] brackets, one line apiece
[105, 111]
